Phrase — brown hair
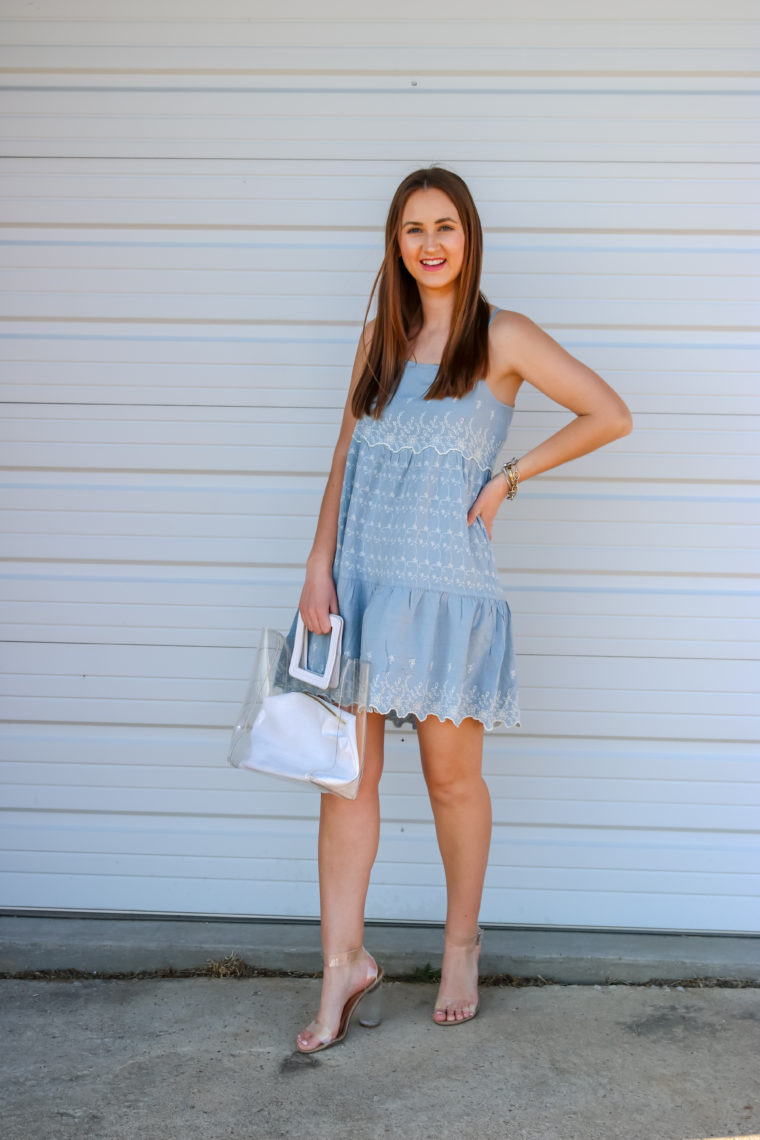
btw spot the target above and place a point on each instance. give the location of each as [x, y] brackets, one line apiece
[399, 309]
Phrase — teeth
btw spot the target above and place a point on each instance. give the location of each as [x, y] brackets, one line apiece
[433, 261]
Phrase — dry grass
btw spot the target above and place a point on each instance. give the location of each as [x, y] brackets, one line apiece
[233, 966]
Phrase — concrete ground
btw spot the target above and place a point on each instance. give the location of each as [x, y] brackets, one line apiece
[213, 1058]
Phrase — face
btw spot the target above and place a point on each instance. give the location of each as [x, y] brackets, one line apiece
[431, 240]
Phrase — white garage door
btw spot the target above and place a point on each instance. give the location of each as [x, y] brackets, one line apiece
[192, 209]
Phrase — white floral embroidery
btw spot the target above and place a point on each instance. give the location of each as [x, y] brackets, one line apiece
[397, 695]
[404, 521]
[412, 423]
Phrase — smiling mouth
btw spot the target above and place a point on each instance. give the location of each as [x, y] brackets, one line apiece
[433, 262]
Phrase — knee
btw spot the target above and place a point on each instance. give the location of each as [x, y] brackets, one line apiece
[449, 788]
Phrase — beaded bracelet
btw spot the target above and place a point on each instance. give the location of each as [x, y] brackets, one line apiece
[512, 475]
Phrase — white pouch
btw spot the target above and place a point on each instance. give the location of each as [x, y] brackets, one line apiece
[304, 725]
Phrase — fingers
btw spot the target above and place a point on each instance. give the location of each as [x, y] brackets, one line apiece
[317, 620]
[315, 608]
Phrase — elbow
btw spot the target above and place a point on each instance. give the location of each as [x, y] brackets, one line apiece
[624, 424]
[621, 420]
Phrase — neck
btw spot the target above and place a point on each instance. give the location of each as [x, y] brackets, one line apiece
[437, 310]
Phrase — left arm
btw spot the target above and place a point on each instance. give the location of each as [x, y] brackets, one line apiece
[521, 347]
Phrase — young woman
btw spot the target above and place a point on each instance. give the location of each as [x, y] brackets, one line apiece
[402, 551]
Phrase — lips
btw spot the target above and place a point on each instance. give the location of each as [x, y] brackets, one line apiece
[433, 263]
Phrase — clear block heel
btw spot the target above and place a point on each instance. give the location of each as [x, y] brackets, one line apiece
[371, 1009]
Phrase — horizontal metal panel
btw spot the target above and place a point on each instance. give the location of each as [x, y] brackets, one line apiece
[726, 66]
[505, 751]
[512, 849]
[510, 556]
[710, 638]
[647, 25]
[284, 342]
[355, 199]
[212, 672]
[350, 23]
[449, 153]
[224, 502]
[99, 604]
[312, 385]
[290, 452]
[316, 429]
[292, 871]
[222, 294]
[497, 184]
[175, 539]
[204, 687]
[231, 798]
[253, 124]
[605, 909]
[642, 114]
[155, 306]
[240, 253]
[510, 790]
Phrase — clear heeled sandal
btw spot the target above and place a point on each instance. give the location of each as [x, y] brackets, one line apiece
[443, 1004]
[369, 997]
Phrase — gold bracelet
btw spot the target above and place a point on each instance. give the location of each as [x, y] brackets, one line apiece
[512, 475]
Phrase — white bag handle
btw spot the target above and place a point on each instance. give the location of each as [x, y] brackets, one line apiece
[297, 668]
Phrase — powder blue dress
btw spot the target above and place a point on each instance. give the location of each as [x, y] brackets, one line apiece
[417, 587]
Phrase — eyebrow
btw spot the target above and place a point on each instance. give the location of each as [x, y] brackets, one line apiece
[437, 222]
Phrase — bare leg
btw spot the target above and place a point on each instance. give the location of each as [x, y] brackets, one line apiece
[452, 758]
[349, 832]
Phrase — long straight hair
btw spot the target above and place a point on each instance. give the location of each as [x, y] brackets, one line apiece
[399, 309]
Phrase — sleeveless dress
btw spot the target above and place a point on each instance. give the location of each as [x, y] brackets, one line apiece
[417, 587]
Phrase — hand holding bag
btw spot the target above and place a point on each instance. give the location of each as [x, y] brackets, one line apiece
[302, 722]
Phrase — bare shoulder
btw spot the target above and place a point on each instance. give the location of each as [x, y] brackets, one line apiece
[508, 324]
[522, 351]
[507, 331]
[516, 342]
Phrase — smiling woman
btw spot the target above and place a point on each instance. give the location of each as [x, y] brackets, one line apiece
[398, 555]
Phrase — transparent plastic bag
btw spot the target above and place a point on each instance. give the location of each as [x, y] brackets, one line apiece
[301, 731]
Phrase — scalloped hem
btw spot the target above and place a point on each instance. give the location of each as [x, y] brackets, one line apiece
[412, 718]
[419, 450]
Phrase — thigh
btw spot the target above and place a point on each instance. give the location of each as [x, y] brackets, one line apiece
[449, 751]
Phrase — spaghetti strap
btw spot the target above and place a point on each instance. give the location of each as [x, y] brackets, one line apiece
[493, 314]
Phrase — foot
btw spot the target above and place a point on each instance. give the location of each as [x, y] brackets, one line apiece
[457, 999]
[344, 975]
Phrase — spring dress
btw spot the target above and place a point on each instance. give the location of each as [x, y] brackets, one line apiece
[417, 587]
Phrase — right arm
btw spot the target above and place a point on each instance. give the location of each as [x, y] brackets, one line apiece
[318, 597]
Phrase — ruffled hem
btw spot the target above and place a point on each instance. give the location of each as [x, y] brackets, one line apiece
[432, 652]
[411, 718]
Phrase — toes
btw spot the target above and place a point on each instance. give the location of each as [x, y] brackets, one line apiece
[307, 1041]
[454, 1013]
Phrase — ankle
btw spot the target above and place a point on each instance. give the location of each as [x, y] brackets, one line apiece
[458, 942]
[346, 957]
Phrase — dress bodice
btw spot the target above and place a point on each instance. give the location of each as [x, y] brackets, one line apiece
[475, 425]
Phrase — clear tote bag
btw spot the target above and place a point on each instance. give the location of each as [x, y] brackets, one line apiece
[304, 717]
